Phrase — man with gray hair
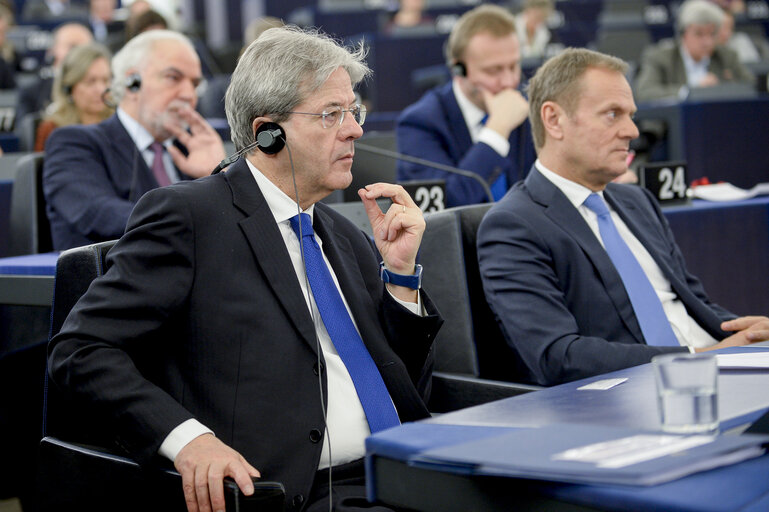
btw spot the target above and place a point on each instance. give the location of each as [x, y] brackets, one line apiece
[93, 175]
[694, 60]
[583, 274]
[280, 337]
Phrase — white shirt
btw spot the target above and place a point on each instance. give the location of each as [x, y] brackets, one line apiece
[695, 71]
[473, 117]
[143, 139]
[346, 423]
[687, 330]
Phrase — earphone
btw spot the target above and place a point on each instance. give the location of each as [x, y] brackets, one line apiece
[458, 69]
[270, 138]
[133, 82]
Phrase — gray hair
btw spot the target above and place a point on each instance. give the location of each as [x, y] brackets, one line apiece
[135, 55]
[279, 71]
[558, 80]
[699, 12]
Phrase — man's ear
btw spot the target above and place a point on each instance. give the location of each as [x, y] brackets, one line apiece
[553, 115]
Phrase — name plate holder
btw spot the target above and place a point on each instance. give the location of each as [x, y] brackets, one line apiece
[666, 180]
[429, 195]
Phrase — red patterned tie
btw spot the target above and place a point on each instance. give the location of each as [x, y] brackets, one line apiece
[158, 169]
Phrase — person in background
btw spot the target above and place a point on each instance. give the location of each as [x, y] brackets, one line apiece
[94, 174]
[531, 27]
[144, 21]
[37, 94]
[477, 121]
[584, 275]
[106, 28]
[78, 91]
[410, 14]
[8, 58]
[669, 69]
[46, 10]
[742, 44]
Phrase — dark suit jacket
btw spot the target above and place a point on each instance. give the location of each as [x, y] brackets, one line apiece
[557, 296]
[663, 73]
[201, 315]
[433, 128]
[92, 177]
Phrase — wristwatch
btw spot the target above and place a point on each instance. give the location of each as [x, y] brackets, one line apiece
[413, 281]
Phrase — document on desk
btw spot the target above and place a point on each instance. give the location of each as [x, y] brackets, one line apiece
[728, 192]
[593, 454]
[758, 360]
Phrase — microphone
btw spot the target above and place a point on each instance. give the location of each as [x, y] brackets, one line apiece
[427, 163]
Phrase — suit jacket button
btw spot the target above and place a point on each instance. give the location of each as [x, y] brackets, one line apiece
[315, 435]
[298, 500]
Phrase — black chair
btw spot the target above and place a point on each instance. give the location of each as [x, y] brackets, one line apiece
[473, 362]
[30, 230]
[26, 130]
[76, 470]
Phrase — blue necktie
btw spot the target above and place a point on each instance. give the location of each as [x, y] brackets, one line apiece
[499, 187]
[369, 385]
[646, 304]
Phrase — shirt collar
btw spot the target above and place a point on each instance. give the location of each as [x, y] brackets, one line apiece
[472, 114]
[574, 192]
[690, 63]
[281, 206]
[138, 133]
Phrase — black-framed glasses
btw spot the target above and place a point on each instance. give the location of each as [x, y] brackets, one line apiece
[334, 116]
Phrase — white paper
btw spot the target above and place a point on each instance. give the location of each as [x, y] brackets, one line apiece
[602, 385]
[749, 360]
[728, 192]
[632, 450]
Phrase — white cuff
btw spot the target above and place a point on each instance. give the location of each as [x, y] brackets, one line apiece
[181, 437]
[415, 308]
[497, 142]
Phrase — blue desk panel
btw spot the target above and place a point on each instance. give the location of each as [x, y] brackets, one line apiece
[726, 245]
[5, 214]
[742, 397]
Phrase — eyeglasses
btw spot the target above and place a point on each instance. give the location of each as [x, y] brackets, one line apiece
[334, 116]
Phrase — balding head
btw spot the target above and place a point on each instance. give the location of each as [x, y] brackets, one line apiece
[65, 38]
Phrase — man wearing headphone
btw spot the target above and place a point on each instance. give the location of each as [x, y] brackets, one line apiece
[477, 122]
[93, 175]
[243, 328]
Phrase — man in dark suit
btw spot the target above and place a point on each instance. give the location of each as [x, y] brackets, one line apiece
[694, 60]
[210, 278]
[93, 175]
[565, 301]
[476, 122]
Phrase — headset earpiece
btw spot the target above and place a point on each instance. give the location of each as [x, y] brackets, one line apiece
[133, 82]
[67, 90]
[270, 138]
[458, 69]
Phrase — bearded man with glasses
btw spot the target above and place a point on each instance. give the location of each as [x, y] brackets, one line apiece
[278, 336]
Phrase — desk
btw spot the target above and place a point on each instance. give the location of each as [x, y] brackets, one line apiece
[742, 398]
[720, 139]
[726, 245]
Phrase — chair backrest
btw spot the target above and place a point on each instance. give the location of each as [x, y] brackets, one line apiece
[26, 130]
[368, 167]
[30, 230]
[470, 341]
[75, 270]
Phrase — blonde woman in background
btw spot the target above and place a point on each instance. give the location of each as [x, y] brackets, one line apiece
[78, 91]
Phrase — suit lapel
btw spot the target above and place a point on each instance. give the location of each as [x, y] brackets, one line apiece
[123, 146]
[456, 122]
[562, 212]
[269, 250]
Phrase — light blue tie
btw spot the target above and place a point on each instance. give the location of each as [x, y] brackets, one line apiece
[369, 385]
[499, 187]
[646, 304]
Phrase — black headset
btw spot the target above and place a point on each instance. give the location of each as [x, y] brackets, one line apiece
[270, 138]
[133, 82]
[458, 69]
